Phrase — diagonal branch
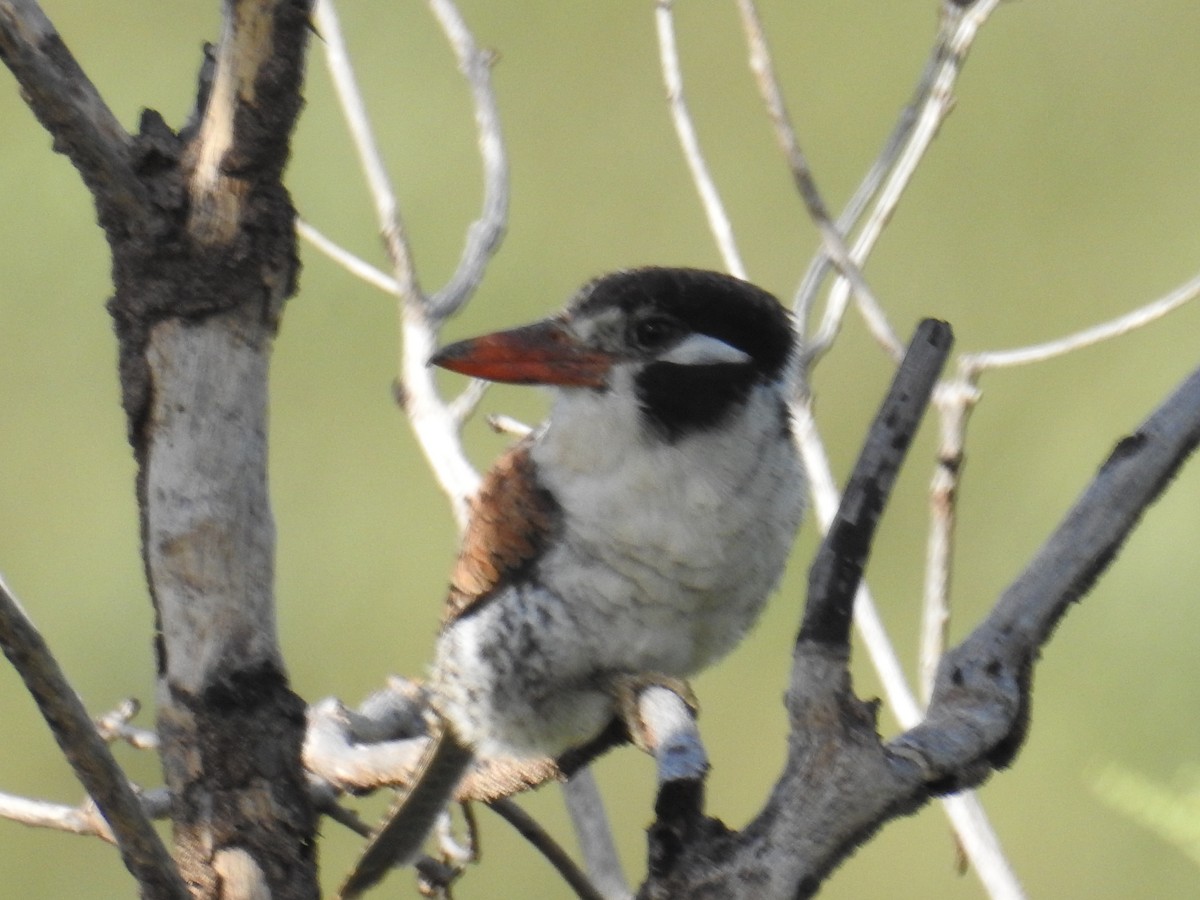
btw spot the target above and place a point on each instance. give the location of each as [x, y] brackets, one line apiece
[959, 26]
[689, 143]
[141, 849]
[84, 819]
[379, 183]
[527, 826]
[972, 364]
[982, 688]
[432, 419]
[837, 570]
[834, 245]
[841, 783]
[72, 111]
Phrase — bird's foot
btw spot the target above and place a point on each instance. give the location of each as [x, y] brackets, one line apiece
[633, 708]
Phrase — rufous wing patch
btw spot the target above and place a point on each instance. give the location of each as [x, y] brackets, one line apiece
[512, 517]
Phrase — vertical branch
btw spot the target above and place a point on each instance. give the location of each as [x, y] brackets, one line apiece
[230, 725]
[954, 401]
[203, 244]
[806, 292]
[485, 233]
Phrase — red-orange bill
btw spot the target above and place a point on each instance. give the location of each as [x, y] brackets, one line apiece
[543, 353]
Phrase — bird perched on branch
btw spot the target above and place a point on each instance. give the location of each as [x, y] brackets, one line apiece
[634, 536]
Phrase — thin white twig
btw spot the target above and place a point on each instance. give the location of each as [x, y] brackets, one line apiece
[502, 424]
[464, 405]
[114, 726]
[832, 240]
[805, 295]
[974, 363]
[355, 265]
[959, 27]
[585, 806]
[710, 198]
[485, 234]
[954, 401]
[433, 422]
[84, 819]
[387, 208]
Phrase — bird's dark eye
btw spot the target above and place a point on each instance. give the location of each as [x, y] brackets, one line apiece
[654, 332]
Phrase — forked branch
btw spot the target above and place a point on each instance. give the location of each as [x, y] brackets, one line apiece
[841, 782]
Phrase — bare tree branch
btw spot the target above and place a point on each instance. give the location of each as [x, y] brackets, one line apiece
[841, 783]
[835, 576]
[964, 809]
[590, 821]
[202, 238]
[387, 208]
[685, 130]
[355, 265]
[955, 399]
[983, 685]
[433, 421]
[141, 850]
[958, 28]
[545, 844]
[70, 108]
[355, 750]
[805, 295]
[972, 364]
[84, 819]
[831, 238]
[837, 570]
[484, 235]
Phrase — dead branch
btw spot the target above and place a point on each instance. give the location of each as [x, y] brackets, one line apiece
[124, 820]
[72, 110]
[203, 242]
[841, 782]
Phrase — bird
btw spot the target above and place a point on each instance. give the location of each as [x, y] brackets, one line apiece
[634, 535]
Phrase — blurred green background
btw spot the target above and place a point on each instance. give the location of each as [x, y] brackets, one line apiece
[1064, 189]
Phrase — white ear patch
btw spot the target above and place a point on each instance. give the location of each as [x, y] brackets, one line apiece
[703, 350]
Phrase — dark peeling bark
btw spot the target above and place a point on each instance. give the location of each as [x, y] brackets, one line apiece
[196, 309]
